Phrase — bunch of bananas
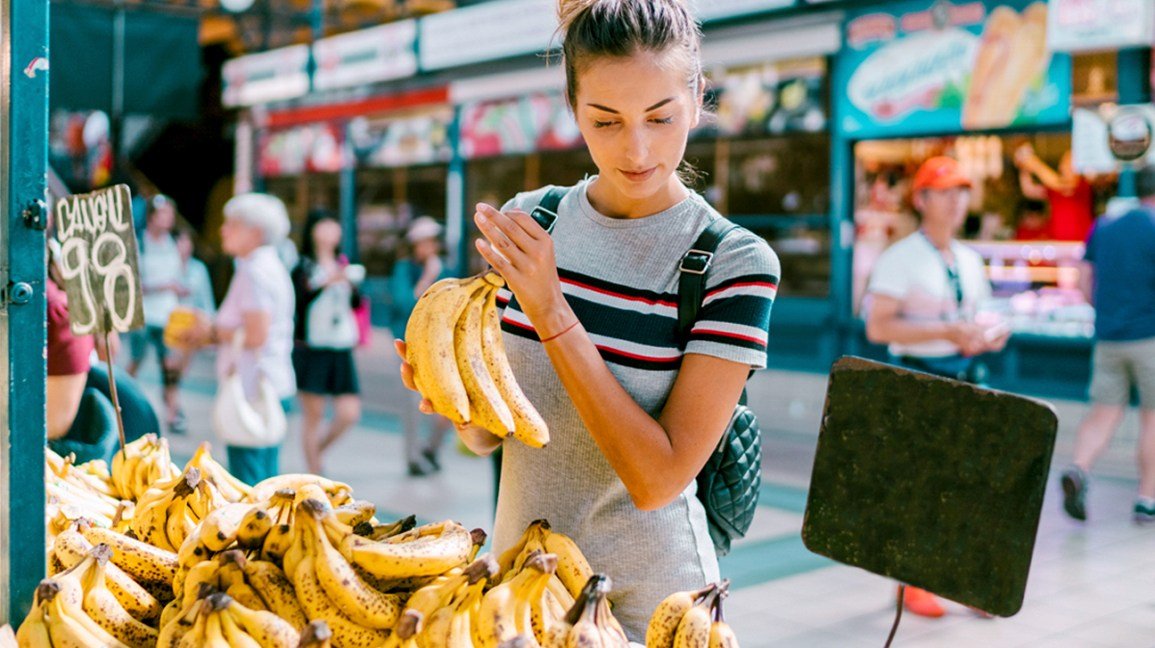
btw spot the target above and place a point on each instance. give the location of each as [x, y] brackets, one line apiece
[589, 622]
[256, 584]
[521, 605]
[446, 613]
[75, 491]
[218, 621]
[337, 492]
[231, 488]
[170, 511]
[573, 570]
[141, 464]
[72, 548]
[454, 344]
[78, 607]
[692, 619]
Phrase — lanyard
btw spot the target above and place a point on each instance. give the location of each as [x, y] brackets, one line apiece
[954, 281]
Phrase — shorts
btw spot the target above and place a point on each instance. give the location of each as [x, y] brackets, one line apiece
[329, 372]
[1117, 366]
[139, 341]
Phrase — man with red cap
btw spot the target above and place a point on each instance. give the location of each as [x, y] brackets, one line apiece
[923, 294]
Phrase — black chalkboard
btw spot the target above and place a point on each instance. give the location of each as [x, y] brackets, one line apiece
[98, 261]
[930, 481]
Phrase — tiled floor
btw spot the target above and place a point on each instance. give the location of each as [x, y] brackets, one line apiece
[1090, 585]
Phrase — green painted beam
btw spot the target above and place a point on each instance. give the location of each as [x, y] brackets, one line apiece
[22, 330]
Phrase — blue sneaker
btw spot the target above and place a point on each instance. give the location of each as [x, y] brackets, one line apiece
[1074, 483]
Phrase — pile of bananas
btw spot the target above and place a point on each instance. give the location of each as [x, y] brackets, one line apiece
[455, 347]
[184, 558]
[692, 619]
[589, 622]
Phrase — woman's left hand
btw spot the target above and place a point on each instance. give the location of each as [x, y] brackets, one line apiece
[522, 252]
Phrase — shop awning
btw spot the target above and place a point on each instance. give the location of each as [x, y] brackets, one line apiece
[162, 69]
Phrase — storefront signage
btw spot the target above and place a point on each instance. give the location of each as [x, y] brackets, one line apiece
[98, 261]
[404, 141]
[367, 56]
[269, 76]
[933, 66]
[1082, 25]
[485, 32]
[716, 9]
[771, 98]
[315, 147]
[538, 121]
[1103, 140]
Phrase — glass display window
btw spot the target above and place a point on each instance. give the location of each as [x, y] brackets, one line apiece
[1028, 216]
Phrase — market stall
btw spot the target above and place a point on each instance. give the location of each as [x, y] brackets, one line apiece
[923, 79]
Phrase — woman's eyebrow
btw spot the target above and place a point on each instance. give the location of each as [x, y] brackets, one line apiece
[611, 110]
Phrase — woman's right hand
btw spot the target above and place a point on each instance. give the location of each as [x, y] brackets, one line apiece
[479, 440]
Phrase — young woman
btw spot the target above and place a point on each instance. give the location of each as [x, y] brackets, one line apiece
[325, 335]
[591, 326]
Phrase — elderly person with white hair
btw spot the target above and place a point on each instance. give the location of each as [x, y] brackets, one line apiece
[253, 328]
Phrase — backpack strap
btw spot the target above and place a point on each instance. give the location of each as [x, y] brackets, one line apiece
[545, 214]
[692, 279]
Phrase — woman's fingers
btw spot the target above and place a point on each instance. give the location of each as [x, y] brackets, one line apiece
[407, 376]
[503, 229]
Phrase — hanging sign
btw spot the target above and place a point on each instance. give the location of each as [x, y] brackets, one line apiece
[98, 261]
[924, 67]
[1084, 25]
[371, 55]
[485, 32]
[269, 76]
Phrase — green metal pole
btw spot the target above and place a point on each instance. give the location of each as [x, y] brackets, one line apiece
[24, 146]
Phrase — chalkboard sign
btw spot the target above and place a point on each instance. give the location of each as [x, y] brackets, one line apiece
[98, 261]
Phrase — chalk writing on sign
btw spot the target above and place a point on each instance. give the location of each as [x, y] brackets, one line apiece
[98, 260]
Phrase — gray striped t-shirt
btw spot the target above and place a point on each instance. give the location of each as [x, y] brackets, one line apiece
[620, 277]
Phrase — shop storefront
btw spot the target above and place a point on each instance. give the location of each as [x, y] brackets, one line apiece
[980, 82]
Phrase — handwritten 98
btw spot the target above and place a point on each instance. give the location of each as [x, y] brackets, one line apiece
[93, 230]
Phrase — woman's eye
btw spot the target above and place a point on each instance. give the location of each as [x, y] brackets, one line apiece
[602, 124]
[663, 120]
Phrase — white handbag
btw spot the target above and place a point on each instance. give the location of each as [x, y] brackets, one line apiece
[244, 423]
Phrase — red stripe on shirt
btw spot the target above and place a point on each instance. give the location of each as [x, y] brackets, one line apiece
[611, 293]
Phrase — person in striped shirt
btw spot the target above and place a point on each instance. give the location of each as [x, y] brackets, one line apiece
[590, 317]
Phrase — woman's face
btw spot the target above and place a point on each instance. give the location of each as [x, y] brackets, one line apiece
[163, 217]
[425, 249]
[327, 235]
[184, 246]
[635, 114]
[238, 238]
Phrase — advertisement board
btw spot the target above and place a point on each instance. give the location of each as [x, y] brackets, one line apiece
[366, 56]
[269, 76]
[934, 66]
[539, 121]
[1086, 25]
[486, 32]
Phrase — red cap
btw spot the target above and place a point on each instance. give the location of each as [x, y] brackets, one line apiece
[940, 172]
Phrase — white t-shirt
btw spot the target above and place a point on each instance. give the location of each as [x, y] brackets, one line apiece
[159, 266]
[261, 283]
[914, 272]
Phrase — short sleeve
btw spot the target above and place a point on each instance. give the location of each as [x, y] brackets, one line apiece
[734, 321]
[890, 277]
[68, 355]
[1089, 248]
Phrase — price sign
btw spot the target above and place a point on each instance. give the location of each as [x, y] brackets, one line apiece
[98, 261]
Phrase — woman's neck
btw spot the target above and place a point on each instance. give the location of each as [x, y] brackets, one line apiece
[600, 195]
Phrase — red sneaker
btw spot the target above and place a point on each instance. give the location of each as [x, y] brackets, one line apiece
[923, 603]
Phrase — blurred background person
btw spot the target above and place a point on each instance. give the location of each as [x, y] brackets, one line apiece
[1070, 195]
[259, 306]
[162, 282]
[198, 285]
[412, 275]
[1118, 278]
[324, 337]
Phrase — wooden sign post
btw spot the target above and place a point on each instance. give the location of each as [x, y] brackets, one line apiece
[98, 261]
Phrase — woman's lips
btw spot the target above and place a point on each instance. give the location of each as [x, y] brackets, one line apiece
[637, 176]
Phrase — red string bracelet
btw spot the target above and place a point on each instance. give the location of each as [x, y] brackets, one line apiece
[557, 335]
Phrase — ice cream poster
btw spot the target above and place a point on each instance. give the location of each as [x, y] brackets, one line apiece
[927, 67]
